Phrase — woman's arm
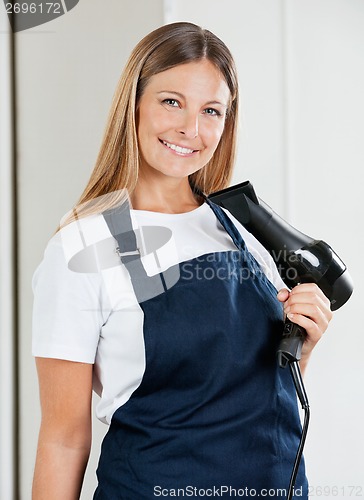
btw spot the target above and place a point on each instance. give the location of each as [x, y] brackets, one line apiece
[307, 306]
[65, 433]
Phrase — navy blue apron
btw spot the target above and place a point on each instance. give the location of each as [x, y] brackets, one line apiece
[213, 409]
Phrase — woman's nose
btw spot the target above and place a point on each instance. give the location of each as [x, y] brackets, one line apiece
[189, 125]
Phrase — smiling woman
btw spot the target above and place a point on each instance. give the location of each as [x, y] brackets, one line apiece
[176, 329]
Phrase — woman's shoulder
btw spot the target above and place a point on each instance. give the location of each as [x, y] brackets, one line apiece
[86, 230]
[78, 246]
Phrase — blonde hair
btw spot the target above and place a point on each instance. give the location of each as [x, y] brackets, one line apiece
[117, 164]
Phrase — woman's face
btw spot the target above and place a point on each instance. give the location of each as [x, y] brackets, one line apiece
[180, 119]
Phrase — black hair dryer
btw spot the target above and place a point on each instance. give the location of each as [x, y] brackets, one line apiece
[299, 258]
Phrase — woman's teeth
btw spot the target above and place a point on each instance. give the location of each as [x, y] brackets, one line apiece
[178, 149]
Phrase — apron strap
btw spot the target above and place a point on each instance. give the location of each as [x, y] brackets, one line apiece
[227, 224]
[145, 287]
[237, 238]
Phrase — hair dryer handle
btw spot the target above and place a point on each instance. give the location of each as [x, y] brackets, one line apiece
[291, 344]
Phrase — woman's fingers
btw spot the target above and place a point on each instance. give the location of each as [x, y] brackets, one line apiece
[311, 318]
[307, 306]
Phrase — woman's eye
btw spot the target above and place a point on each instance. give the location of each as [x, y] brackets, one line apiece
[212, 112]
[171, 102]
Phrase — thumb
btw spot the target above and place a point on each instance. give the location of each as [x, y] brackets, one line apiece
[283, 295]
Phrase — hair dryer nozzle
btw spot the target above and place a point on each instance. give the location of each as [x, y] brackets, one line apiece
[273, 232]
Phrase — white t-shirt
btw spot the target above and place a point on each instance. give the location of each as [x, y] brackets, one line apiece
[85, 308]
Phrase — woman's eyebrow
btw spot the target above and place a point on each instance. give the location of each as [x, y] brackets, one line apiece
[209, 103]
[171, 92]
[216, 102]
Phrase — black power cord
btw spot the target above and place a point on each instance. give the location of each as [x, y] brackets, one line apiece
[302, 396]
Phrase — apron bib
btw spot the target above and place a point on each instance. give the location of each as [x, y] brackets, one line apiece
[213, 408]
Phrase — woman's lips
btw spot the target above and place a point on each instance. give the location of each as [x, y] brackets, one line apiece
[178, 149]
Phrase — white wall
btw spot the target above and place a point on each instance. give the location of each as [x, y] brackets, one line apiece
[301, 70]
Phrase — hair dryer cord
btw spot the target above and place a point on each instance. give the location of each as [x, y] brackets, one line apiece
[302, 396]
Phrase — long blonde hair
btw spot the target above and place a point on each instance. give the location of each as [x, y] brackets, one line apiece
[117, 164]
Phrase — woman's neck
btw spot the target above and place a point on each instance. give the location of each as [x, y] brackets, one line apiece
[174, 196]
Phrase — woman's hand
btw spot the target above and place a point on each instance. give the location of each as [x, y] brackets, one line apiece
[307, 306]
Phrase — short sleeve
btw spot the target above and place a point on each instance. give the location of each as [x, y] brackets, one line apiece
[67, 312]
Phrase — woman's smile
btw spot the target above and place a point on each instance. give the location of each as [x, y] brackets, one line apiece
[180, 150]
